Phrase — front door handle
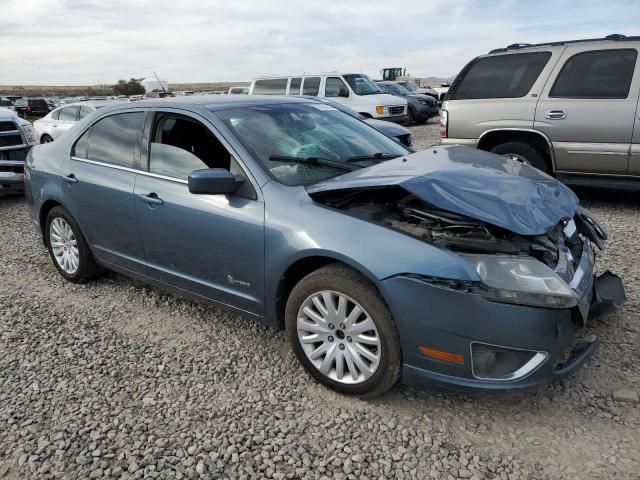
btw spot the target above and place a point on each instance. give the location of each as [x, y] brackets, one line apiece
[151, 199]
[71, 178]
[555, 114]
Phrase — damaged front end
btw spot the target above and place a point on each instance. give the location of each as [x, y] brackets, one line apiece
[553, 269]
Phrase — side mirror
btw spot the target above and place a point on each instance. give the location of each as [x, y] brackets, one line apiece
[213, 181]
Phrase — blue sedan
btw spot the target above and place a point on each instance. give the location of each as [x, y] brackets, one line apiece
[449, 267]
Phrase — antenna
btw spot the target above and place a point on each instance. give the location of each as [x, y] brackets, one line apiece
[161, 84]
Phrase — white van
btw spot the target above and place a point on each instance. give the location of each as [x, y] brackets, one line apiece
[353, 90]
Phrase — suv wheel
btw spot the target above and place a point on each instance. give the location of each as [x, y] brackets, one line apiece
[343, 333]
[523, 153]
[68, 248]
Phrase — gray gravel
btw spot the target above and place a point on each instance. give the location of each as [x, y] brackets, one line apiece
[117, 379]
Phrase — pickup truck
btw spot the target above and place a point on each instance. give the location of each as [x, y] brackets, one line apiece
[16, 139]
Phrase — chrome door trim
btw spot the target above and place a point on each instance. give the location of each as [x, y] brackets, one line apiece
[581, 148]
[131, 170]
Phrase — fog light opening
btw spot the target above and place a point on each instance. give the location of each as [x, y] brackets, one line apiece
[492, 362]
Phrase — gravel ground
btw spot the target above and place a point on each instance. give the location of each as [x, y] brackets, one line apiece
[117, 379]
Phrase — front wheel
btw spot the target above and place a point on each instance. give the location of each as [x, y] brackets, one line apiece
[342, 332]
[68, 248]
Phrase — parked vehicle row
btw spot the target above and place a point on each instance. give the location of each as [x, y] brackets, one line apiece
[567, 108]
[451, 267]
[353, 90]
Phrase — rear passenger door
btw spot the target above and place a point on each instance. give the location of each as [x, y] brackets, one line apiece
[587, 109]
[97, 188]
[211, 245]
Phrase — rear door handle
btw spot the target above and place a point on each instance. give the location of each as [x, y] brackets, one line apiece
[555, 114]
[151, 199]
[71, 178]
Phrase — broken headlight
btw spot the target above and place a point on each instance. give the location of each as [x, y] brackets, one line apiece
[521, 280]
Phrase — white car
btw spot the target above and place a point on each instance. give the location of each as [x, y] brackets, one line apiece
[353, 90]
[238, 91]
[58, 121]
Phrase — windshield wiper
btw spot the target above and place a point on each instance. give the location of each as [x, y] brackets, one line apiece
[318, 161]
[373, 156]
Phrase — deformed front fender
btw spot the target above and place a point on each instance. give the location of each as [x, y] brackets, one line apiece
[296, 227]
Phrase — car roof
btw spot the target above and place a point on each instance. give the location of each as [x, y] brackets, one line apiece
[94, 103]
[609, 40]
[218, 102]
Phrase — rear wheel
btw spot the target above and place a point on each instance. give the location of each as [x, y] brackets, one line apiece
[342, 332]
[68, 248]
[46, 139]
[524, 153]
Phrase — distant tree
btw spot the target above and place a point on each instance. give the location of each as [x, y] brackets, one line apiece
[132, 87]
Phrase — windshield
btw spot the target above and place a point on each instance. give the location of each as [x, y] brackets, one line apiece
[409, 86]
[305, 143]
[361, 84]
[398, 90]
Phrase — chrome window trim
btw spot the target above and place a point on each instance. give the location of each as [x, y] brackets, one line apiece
[527, 369]
[127, 169]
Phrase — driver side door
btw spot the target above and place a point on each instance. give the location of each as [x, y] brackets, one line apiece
[210, 245]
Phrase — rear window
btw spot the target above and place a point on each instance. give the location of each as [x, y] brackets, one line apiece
[596, 74]
[39, 103]
[271, 86]
[500, 76]
[113, 139]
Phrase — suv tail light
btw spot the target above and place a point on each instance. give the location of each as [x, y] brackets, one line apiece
[444, 123]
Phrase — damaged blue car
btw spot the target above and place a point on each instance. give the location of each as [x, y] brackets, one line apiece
[449, 267]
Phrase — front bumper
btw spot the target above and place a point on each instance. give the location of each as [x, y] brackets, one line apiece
[401, 119]
[450, 320]
[425, 113]
[11, 177]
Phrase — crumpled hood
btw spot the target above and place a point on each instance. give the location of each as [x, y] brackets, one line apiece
[480, 185]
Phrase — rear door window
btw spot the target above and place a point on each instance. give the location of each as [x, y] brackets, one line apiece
[499, 76]
[596, 74]
[311, 86]
[68, 114]
[270, 86]
[114, 139]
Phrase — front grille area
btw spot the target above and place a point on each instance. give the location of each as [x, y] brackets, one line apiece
[396, 110]
[7, 126]
[9, 135]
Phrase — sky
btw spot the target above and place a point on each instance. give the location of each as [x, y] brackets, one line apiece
[87, 42]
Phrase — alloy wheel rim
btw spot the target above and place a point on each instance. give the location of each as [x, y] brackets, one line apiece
[339, 337]
[64, 245]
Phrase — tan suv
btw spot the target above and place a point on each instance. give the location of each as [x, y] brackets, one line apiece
[568, 108]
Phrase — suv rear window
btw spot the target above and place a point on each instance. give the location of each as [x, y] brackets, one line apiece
[499, 76]
[596, 74]
[39, 103]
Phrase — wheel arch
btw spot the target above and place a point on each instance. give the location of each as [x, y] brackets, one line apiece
[494, 137]
[303, 266]
[46, 207]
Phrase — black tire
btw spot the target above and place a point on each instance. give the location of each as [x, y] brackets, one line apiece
[87, 268]
[345, 280]
[411, 117]
[529, 154]
[46, 139]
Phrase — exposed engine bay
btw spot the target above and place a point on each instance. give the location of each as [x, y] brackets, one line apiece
[401, 210]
